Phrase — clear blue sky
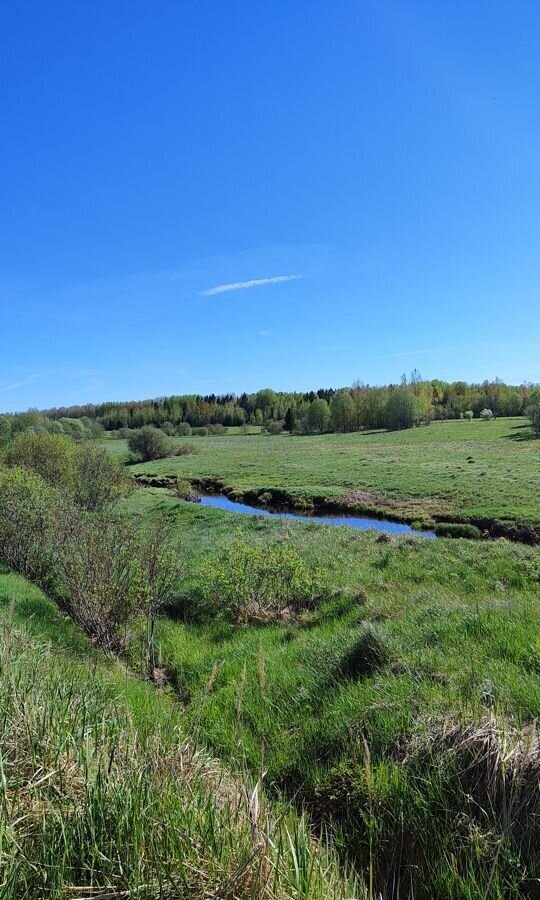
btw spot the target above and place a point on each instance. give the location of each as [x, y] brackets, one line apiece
[387, 153]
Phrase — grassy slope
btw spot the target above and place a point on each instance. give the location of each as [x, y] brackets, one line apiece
[101, 795]
[445, 630]
[471, 469]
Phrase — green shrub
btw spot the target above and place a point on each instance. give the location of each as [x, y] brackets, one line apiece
[28, 513]
[149, 443]
[100, 583]
[457, 530]
[50, 455]
[184, 490]
[100, 479]
[184, 429]
[274, 427]
[186, 449]
[200, 432]
[250, 583]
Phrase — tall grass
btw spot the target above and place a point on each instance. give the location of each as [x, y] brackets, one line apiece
[102, 795]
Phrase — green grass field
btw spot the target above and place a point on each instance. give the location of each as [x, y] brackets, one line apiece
[453, 469]
[417, 638]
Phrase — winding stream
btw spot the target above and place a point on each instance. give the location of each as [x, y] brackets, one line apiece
[220, 501]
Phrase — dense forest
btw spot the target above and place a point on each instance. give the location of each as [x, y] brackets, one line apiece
[413, 401]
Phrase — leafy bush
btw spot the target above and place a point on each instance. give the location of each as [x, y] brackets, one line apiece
[533, 410]
[249, 583]
[28, 508]
[200, 432]
[49, 455]
[149, 443]
[217, 429]
[274, 427]
[458, 530]
[184, 429]
[100, 479]
[100, 582]
[468, 414]
[486, 415]
[87, 474]
[168, 428]
[186, 449]
[184, 490]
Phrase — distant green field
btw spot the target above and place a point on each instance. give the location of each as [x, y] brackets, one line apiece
[465, 469]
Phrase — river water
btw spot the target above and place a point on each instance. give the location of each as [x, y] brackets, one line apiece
[219, 501]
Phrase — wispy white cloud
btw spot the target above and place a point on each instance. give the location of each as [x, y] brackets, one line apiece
[264, 333]
[242, 285]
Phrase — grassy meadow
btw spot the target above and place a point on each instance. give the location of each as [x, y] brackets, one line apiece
[455, 469]
[378, 740]
[416, 642]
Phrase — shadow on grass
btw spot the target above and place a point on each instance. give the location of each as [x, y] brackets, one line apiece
[522, 433]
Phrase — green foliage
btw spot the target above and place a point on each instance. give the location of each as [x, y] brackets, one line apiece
[99, 478]
[28, 512]
[343, 411]
[5, 431]
[486, 415]
[49, 455]
[402, 410]
[290, 420]
[249, 583]
[148, 443]
[84, 472]
[183, 429]
[533, 410]
[318, 415]
[468, 414]
[184, 490]
[275, 427]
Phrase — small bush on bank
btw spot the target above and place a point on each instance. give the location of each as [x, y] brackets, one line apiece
[458, 530]
[28, 513]
[99, 578]
[250, 584]
[200, 432]
[184, 429]
[184, 490]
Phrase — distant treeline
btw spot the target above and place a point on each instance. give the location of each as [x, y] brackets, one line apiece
[414, 401]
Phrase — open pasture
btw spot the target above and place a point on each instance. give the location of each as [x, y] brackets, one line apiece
[455, 469]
